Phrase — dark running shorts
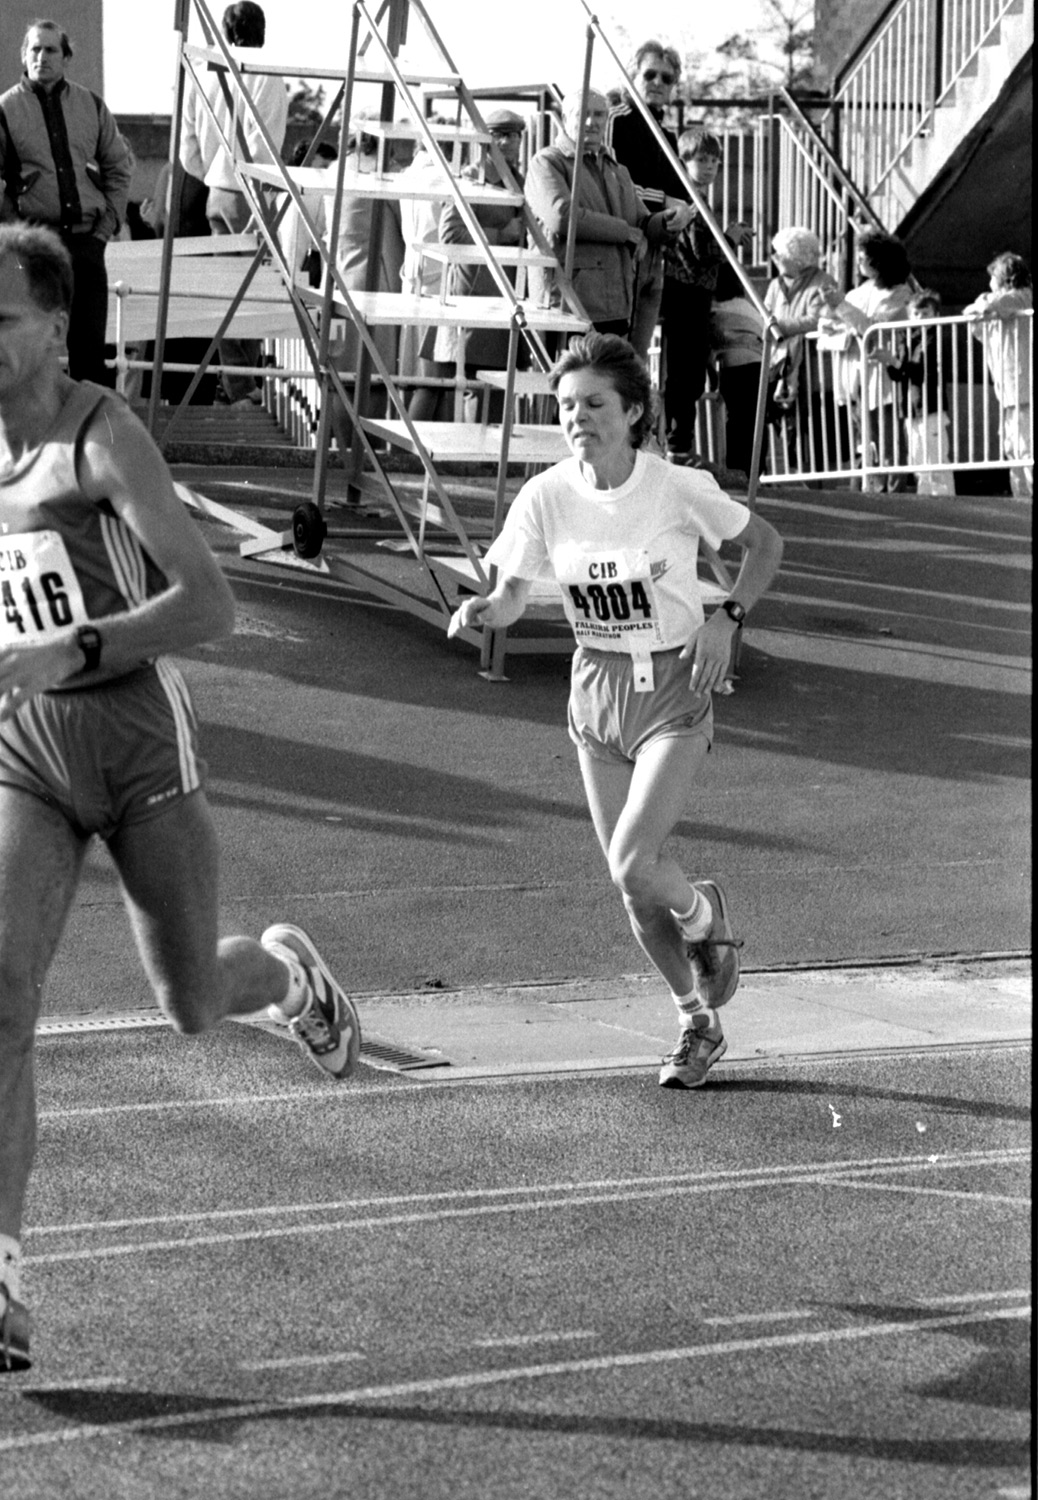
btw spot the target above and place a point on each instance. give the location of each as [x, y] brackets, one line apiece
[113, 754]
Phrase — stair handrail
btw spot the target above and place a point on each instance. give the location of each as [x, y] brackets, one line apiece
[832, 164]
[905, 66]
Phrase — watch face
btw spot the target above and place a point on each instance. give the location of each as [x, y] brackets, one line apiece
[734, 611]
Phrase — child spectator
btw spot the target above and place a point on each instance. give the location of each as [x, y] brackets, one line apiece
[737, 338]
[917, 370]
[1006, 337]
[694, 260]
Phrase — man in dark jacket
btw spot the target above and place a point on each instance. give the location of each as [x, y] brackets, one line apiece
[63, 163]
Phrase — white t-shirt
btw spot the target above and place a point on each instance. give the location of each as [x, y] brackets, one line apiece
[625, 559]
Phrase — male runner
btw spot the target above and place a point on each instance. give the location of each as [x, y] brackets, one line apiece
[102, 572]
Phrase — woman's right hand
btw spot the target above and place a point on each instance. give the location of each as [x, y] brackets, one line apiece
[469, 612]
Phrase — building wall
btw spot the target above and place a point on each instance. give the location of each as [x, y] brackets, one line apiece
[840, 26]
[81, 19]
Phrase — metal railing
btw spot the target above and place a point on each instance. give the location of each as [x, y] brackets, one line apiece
[888, 95]
[875, 411]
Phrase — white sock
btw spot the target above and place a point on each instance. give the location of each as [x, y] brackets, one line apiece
[297, 997]
[692, 1012]
[11, 1266]
[697, 921]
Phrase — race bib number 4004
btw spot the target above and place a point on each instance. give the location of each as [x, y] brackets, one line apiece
[39, 590]
[610, 597]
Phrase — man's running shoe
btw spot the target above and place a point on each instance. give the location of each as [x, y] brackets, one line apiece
[14, 1334]
[699, 1047]
[715, 958]
[328, 1027]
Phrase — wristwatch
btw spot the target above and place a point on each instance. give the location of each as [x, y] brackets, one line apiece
[734, 610]
[88, 639]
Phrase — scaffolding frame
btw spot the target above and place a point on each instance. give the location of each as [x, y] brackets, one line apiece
[460, 568]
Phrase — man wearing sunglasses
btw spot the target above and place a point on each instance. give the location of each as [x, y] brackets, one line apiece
[654, 71]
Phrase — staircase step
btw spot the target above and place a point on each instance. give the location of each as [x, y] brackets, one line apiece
[223, 434]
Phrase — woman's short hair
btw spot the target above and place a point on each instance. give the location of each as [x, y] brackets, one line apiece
[887, 256]
[801, 246]
[45, 263]
[697, 140]
[615, 360]
[244, 24]
[654, 48]
[927, 297]
[1010, 270]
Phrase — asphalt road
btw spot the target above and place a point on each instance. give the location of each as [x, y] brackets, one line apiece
[804, 1281]
[867, 797]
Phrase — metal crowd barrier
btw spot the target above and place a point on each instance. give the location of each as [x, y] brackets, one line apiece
[848, 414]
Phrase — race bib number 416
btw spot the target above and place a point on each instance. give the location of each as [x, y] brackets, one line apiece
[609, 596]
[39, 590]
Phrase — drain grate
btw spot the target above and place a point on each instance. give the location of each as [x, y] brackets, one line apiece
[132, 1021]
[376, 1053]
[404, 1059]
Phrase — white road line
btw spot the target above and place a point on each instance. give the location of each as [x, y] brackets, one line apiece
[955, 1299]
[733, 1176]
[483, 1379]
[302, 1361]
[519, 1340]
[445, 1215]
[911, 1187]
[758, 1317]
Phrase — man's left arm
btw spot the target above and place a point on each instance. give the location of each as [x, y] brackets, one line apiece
[115, 166]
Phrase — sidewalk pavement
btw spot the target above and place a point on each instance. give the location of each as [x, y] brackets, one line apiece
[586, 1026]
[582, 1026]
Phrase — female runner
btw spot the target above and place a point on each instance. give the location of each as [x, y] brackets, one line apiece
[619, 529]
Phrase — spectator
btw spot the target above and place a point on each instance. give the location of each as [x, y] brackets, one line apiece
[301, 256]
[362, 221]
[737, 337]
[208, 123]
[917, 370]
[694, 263]
[1006, 338]
[503, 224]
[422, 276]
[796, 298]
[654, 71]
[882, 296]
[614, 229]
[64, 164]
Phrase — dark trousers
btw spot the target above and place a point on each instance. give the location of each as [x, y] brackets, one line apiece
[739, 385]
[88, 318]
[685, 315]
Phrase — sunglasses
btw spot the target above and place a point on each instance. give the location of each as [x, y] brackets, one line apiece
[506, 130]
[651, 74]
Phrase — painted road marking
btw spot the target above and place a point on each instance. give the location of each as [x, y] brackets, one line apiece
[827, 1176]
[301, 1361]
[482, 1379]
[911, 1187]
[535, 1199]
[759, 1317]
[1004, 1156]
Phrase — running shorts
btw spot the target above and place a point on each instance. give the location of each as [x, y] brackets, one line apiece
[110, 755]
[611, 721]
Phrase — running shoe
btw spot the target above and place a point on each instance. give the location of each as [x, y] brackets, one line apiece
[699, 1047]
[715, 958]
[14, 1333]
[328, 1028]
